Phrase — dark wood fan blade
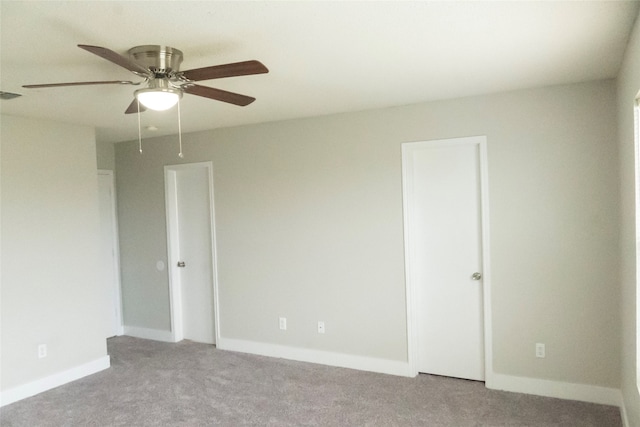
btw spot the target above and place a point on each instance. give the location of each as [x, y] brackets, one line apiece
[133, 107]
[219, 95]
[116, 82]
[116, 58]
[227, 70]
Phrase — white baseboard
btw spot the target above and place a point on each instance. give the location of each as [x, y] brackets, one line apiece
[52, 381]
[362, 363]
[623, 415]
[561, 390]
[149, 334]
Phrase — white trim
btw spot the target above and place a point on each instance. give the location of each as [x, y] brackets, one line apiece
[52, 381]
[149, 334]
[623, 414]
[116, 249]
[636, 148]
[362, 363]
[486, 260]
[412, 330]
[557, 389]
[214, 254]
[175, 296]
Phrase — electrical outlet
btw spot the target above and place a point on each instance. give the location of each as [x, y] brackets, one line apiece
[283, 323]
[42, 351]
[540, 350]
[321, 327]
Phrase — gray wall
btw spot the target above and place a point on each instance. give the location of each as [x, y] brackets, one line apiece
[106, 155]
[628, 88]
[51, 290]
[309, 226]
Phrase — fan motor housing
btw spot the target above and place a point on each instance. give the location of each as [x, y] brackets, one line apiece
[161, 60]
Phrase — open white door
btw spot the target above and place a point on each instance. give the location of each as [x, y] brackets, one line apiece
[110, 260]
[191, 251]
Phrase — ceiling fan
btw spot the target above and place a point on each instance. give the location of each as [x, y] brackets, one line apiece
[165, 83]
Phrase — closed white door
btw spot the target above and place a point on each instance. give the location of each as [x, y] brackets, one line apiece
[444, 231]
[109, 252]
[193, 260]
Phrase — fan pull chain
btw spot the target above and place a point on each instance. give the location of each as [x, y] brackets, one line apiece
[139, 131]
[179, 132]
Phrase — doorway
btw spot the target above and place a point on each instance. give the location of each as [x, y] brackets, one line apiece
[191, 252]
[446, 246]
[109, 251]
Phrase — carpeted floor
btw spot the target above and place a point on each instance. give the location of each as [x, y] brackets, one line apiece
[189, 384]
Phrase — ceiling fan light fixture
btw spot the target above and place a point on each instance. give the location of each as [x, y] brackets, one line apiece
[159, 95]
[158, 99]
[160, 67]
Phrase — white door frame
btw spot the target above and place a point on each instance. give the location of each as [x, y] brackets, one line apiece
[175, 295]
[411, 288]
[116, 249]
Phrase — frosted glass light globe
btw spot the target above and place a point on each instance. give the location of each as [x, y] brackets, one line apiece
[158, 99]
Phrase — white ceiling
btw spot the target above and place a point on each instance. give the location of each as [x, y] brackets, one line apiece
[324, 57]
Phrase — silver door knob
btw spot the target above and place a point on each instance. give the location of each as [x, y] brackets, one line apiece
[181, 264]
[476, 276]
